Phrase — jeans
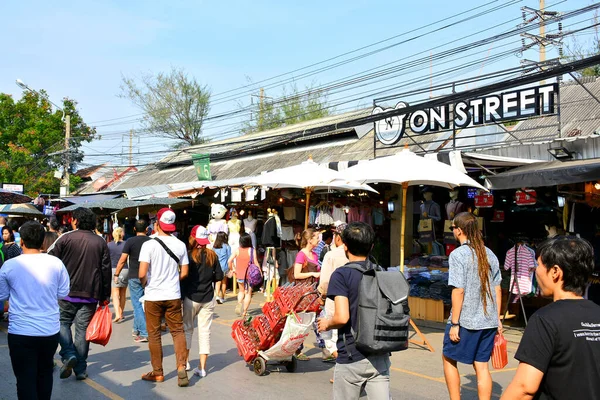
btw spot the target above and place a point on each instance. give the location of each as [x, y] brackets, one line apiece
[372, 374]
[136, 291]
[79, 314]
[171, 311]
[31, 358]
[204, 312]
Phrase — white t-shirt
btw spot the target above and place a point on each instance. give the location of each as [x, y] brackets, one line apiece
[33, 283]
[163, 272]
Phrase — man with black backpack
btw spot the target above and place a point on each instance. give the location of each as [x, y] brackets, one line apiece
[366, 336]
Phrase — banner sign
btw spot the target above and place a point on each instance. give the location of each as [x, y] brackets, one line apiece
[494, 108]
[526, 197]
[13, 187]
[484, 200]
[202, 166]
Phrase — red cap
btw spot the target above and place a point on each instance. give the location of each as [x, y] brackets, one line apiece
[200, 233]
[166, 219]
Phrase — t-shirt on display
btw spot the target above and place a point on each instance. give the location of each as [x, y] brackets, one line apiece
[163, 273]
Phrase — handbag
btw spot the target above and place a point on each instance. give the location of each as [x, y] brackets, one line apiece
[306, 267]
[425, 225]
[253, 274]
[100, 328]
[499, 352]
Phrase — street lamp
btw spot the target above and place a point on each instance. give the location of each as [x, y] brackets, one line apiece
[65, 182]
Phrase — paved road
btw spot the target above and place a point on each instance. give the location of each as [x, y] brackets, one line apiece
[115, 370]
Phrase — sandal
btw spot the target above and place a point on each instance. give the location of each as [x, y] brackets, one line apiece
[117, 320]
[302, 357]
[330, 359]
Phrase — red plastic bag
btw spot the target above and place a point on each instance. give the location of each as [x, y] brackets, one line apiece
[100, 327]
[500, 352]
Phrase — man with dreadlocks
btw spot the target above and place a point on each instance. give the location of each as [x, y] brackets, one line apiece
[474, 318]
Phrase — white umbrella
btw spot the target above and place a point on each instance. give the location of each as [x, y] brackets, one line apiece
[408, 169]
[309, 176]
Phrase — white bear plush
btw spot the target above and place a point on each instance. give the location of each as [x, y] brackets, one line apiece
[217, 223]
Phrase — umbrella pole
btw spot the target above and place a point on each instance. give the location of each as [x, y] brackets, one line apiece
[403, 224]
[307, 210]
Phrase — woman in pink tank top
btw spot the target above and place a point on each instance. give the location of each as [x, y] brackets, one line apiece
[238, 263]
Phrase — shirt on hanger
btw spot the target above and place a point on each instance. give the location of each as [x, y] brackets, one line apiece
[525, 266]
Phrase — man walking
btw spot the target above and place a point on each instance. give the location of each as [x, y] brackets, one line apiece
[560, 350]
[34, 282]
[131, 255]
[87, 260]
[354, 370]
[163, 263]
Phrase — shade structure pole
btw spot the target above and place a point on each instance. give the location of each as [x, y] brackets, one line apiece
[307, 210]
[403, 224]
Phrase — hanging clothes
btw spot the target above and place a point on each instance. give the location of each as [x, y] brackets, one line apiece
[289, 213]
[339, 214]
[366, 216]
[324, 216]
[378, 217]
[354, 215]
[525, 265]
[312, 215]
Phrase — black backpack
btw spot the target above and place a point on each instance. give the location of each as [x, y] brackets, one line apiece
[383, 313]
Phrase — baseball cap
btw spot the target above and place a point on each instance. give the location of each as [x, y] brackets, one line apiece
[166, 219]
[339, 227]
[200, 233]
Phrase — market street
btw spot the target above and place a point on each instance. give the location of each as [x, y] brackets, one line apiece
[115, 370]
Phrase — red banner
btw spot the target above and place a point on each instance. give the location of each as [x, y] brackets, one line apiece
[526, 197]
[484, 200]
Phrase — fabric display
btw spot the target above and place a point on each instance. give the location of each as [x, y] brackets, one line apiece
[366, 215]
[312, 215]
[324, 217]
[269, 234]
[289, 213]
[278, 225]
[378, 216]
[236, 195]
[339, 214]
[291, 257]
[353, 215]
[523, 269]
[250, 194]
[287, 233]
[428, 284]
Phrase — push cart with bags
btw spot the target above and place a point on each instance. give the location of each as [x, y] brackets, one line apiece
[278, 333]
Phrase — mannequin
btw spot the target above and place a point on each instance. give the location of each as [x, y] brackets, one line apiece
[552, 232]
[429, 208]
[454, 206]
[269, 235]
[234, 225]
[250, 227]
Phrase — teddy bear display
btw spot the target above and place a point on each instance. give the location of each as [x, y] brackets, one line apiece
[217, 222]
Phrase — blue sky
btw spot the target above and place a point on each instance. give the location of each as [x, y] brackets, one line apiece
[80, 49]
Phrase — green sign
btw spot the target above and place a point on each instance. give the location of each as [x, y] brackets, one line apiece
[202, 165]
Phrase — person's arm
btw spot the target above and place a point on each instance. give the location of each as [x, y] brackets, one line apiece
[4, 287]
[498, 290]
[64, 283]
[106, 271]
[341, 316]
[184, 271]
[218, 275]
[458, 296]
[143, 272]
[230, 261]
[298, 274]
[525, 383]
[120, 266]
[457, 280]
[326, 271]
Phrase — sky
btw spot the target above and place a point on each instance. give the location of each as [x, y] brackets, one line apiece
[81, 50]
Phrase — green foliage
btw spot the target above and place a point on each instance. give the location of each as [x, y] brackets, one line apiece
[578, 51]
[290, 109]
[29, 131]
[174, 104]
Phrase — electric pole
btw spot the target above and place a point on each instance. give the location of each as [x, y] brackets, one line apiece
[66, 175]
[130, 147]
[261, 105]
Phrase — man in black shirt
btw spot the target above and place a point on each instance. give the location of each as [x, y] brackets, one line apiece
[560, 350]
[131, 254]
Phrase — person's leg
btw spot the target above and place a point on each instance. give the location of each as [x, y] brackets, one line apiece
[347, 382]
[378, 381]
[240, 297]
[122, 299]
[67, 315]
[136, 291]
[154, 313]
[224, 286]
[84, 315]
[174, 320]
[247, 299]
[23, 357]
[190, 310]
[45, 366]
[114, 294]
[205, 318]
[452, 377]
[484, 380]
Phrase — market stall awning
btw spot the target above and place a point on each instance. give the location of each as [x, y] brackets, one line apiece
[7, 197]
[20, 209]
[90, 199]
[490, 160]
[114, 205]
[546, 174]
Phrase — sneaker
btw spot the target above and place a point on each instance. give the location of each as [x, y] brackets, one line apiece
[82, 376]
[182, 378]
[67, 368]
[187, 366]
[135, 333]
[219, 300]
[141, 339]
[151, 377]
[199, 372]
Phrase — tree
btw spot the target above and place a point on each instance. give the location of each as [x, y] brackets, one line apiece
[577, 50]
[174, 104]
[30, 135]
[290, 109]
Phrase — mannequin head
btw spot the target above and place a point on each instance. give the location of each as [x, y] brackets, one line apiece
[552, 231]
[453, 194]
[233, 214]
[427, 193]
[249, 217]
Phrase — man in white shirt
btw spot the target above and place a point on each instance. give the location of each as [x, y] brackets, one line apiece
[33, 282]
[163, 263]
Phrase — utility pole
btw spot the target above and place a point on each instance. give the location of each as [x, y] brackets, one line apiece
[261, 116]
[130, 147]
[542, 34]
[67, 177]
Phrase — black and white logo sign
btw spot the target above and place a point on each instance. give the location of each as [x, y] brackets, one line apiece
[390, 130]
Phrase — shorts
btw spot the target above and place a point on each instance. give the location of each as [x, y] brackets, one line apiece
[123, 278]
[243, 282]
[474, 345]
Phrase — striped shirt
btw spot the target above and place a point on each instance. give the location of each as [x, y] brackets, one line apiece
[525, 267]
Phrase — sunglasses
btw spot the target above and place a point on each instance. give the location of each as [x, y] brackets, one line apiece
[453, 227]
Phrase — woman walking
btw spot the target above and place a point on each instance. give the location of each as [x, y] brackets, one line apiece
[474, 318]
[120, 281]
[10, 248]
[223, 253]
[198, 293]
[242, 258]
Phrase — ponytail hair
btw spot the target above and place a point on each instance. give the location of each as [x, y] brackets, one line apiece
[467, 222]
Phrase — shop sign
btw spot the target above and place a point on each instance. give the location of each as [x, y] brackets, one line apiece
[202, 166]
[484, 200]
[525, 197]
[494, 108]
[13, 187]
[498, 216]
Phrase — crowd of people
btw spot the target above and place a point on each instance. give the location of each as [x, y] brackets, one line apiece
[180, 283]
